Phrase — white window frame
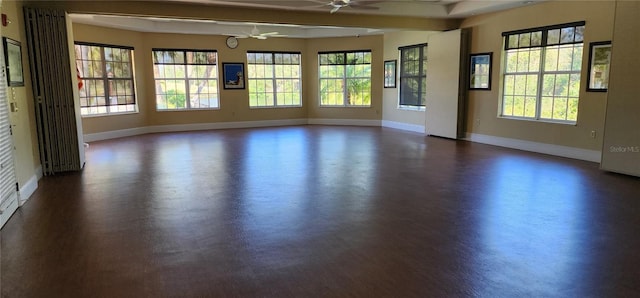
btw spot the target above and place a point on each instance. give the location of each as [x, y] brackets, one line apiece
[274, 78]
[343, 77]
[112, 103]
[187, 79]
[542, 41]
[422, 77]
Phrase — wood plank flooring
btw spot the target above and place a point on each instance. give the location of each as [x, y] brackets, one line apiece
[318, 211]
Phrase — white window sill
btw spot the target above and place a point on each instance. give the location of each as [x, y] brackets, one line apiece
[109, 114]
[412, 108]
[187, 110]
[349, 107]
[574, 123]
[274, 107]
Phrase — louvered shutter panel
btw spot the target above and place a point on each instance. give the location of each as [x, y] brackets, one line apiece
[8, 191]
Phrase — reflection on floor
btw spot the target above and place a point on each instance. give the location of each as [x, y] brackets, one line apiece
[323, 211]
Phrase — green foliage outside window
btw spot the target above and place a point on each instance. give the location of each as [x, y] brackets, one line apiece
[345, 78]
[542, 76]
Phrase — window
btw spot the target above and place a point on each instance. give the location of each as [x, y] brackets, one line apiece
[345, 78]
[185, 79]
[106, 74]
[413, 75]
[274, 79]
[542, 73]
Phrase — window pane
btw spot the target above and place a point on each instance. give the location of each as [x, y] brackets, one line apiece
[412, 76]
[536, 38]
[524, 40]
[543, 82]
[107, 76]
[553, 36]
[185, 79]
[512, 61]
[512, 41]
[551, 59]
[565, 57]
[276, 83]
[566, 35]
[579, 33]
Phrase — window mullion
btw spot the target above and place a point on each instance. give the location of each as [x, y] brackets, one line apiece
[541, 70]
[274, 84]
[344, 84]
[107, 84]
[420, 59]
[186, 81]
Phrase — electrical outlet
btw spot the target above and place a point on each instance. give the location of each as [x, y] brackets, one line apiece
[593, 134]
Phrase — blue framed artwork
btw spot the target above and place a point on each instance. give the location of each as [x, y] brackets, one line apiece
[233, 75]
[480, 71]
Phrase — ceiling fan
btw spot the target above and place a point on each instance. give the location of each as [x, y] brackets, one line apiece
[355, 4]
[255, 33]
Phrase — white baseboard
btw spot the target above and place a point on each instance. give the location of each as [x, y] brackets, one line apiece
[551, 149]
[91, 137]
[558, 150]
[224, 125]
[189, 127]
[7, 208]
[39, 172]
[403, 126]
[28, 189]
[352, 122]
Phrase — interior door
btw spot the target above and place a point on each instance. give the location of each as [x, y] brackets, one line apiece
[445, 94]
[8, 182]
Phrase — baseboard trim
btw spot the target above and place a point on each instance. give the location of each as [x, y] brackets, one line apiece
[224, 125]
[350, 122]
[403, 126]
[558, 150]
[189, 127]
[39, 172]
[551, 149]
[113, 134]
[28, 189]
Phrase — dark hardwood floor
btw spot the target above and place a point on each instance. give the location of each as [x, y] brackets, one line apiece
[315, 211]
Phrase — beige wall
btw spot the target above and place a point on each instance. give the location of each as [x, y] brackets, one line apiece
[486, 37]
[390, 109]
[621, 150]
[234, 104]
[27, 156]
[373, 43]
[93, 34]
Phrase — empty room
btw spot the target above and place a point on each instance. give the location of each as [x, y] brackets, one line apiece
[312, 148]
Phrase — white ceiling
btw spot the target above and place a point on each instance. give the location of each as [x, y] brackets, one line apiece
[210, 27]
[409, 8]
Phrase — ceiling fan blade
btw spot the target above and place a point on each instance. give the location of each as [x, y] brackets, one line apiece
[269, 33]
[335, 9]
[259, 37]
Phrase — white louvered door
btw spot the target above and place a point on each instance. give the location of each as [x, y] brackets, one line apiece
[8, 182]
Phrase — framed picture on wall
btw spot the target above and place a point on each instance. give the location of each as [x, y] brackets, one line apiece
[13, 62]
[390, 74]
[233, 75]
[480, 72]
[599, 61]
